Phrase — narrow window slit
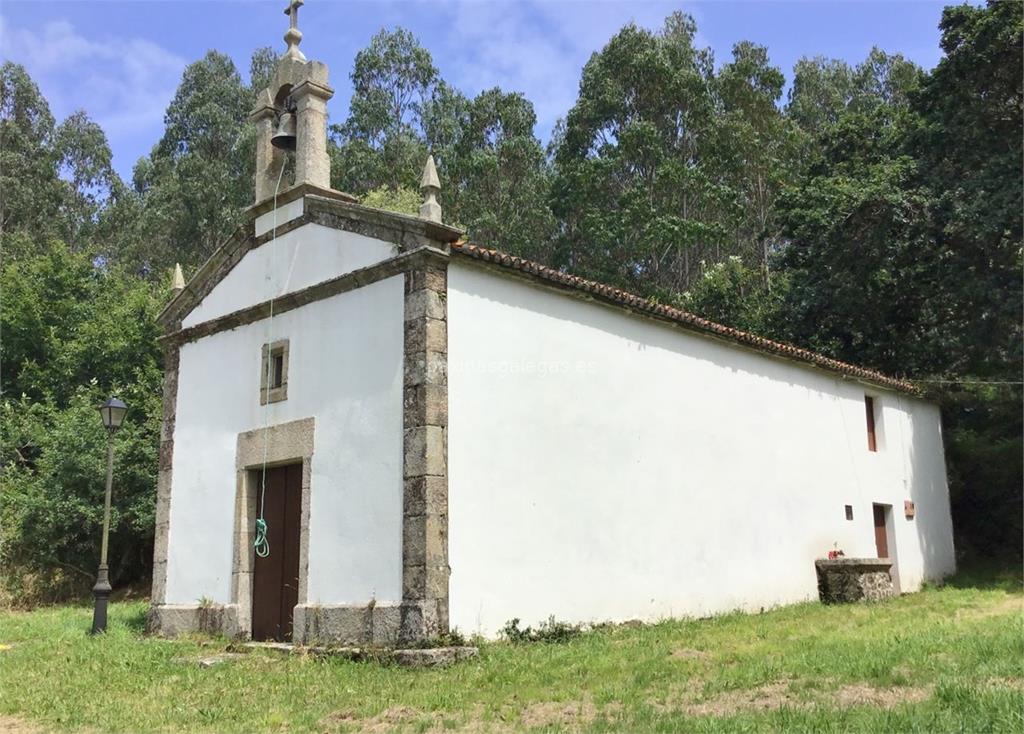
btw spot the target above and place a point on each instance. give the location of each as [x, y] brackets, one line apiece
[869, 411]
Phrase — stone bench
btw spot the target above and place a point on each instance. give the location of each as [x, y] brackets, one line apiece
[843, 580]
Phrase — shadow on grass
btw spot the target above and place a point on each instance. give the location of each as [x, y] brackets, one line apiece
[136, 621]
[987, 574]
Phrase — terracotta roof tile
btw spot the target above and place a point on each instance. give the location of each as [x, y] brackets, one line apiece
[689, 320]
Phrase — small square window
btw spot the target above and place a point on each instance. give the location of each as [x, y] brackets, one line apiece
[849, 512]
[274, 372]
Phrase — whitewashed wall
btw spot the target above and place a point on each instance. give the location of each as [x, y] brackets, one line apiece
[303, 257]
[603, 466]
[345, 370]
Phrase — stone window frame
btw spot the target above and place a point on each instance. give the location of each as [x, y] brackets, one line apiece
[276, 445]
[268, 392]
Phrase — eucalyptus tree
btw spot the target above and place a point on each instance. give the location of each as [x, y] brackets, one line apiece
[197, 178]
[500, 175]
[28, 159]
[55, 178]
[638, 200]
[756, 152]
[969, 148]
[823, 89]
[493, 168]
[382, 141]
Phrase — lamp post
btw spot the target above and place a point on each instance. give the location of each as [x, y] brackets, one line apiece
[112, 413]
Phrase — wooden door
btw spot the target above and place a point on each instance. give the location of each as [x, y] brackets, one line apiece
[881, 539]
[275, 584]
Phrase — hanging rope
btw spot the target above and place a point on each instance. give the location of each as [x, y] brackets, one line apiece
[262, 543]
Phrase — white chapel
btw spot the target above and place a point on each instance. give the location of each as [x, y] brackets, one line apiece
[375, 431]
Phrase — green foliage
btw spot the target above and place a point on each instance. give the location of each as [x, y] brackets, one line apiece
[381, 143]
[198, 178]
[54, 178]
[493, 170]
[969, 145]
[28, 166]
[824, 89]
[73, 336]
[453, 638]
[858, 257]
[664, 164]
[498, 175]
[404, 200]
[548, 631]
[983, 429]
[734, 294]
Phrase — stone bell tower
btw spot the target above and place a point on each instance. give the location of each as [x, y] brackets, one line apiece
[291, 114]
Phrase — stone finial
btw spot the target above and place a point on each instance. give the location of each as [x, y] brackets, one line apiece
[178, 280]
[430, 186]
[293, 36]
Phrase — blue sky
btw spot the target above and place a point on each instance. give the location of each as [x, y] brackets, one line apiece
[121, 61]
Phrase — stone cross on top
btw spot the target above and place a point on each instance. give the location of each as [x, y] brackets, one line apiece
[293, 36]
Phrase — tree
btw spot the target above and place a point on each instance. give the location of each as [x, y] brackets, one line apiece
[732, 293]
[73, 335]
[381, 142]
[493, 169]
[758, 150]
[500, 177]
[87, 176]
[54, 178]
[31, 191]
[969, 144]
[199, 176]
[823, 89]
[859, 258]
[637, 200]
[403, 200]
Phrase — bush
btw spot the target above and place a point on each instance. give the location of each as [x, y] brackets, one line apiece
[79, 334]
[453, 638]
[547, 631]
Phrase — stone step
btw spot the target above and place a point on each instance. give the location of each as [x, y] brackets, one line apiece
[413, 658]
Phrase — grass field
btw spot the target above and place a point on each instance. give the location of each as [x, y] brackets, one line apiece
[949, 659]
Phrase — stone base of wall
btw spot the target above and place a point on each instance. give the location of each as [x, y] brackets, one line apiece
[172, 620]
[385, 624]
[844, 580]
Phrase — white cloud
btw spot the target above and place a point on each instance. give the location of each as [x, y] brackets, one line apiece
[535, 47]
[123, 84]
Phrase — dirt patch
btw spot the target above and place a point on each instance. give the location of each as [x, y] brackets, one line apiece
[763, 698]
[569, 715]
[14, 725]
[780, 694]
[387, 720]
[862, 694]
[406, 718]
[1015, 683]
[338, 717]
[687, 654]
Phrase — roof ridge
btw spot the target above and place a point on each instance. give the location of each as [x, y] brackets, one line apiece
[699, 323]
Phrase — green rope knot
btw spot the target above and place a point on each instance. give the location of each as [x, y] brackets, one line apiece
[262, 545]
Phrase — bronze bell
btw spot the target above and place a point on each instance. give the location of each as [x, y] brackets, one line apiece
[284, 138]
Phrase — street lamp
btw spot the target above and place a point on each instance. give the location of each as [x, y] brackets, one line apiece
[112, 412]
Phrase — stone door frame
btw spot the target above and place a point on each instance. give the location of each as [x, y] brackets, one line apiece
[276, 445]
